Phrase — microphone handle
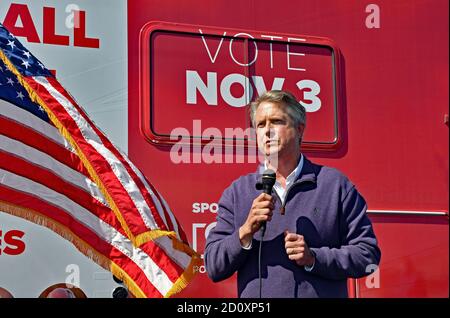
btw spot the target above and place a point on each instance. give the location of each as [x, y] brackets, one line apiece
[267, 190]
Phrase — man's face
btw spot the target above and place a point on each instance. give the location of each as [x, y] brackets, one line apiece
[276, 132]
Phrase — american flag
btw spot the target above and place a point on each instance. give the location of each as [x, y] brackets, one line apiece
[59, 170]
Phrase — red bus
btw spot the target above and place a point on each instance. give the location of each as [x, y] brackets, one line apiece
[373, 78]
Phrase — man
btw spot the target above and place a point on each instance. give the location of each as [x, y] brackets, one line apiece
[318, 233]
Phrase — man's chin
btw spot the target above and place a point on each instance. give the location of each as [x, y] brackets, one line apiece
[271, 153]
[272, 148]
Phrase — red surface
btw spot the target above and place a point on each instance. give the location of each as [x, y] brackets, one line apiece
[394, 140]
[415, 257]
[169, 51]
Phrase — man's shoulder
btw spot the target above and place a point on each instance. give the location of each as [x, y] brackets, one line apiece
[333, 173]
[242, 187]
[245, 180]
[330, 174]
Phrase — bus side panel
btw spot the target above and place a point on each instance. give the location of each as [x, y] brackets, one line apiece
[395, 136]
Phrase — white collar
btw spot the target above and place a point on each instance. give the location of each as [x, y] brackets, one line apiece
[295, 173]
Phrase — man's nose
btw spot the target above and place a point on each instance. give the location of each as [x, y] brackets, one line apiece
[269, 131]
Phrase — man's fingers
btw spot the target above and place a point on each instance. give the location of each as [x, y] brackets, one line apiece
[266, 196]
[263, 204]
[295, 250]
[296, 257]
[291, 244]
[263, 212]
[264, 218]
[290, 237]
[293, 237]
[258, 219]
[263, 197]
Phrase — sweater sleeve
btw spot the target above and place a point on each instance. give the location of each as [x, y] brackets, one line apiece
[224, 253]
[359, 248]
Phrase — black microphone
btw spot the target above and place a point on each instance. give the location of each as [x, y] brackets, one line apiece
[267, 181]
[266, 184]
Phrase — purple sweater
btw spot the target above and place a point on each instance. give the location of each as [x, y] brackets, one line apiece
[324, 207]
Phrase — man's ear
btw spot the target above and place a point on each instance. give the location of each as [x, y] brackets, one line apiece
[301, 129]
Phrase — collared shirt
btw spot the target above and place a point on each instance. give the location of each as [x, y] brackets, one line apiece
[289, 180]
[282, 193]
[279, 188]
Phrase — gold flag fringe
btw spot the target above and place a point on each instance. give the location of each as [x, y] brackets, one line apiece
[186, 277]
[137, 241]
[82, 246]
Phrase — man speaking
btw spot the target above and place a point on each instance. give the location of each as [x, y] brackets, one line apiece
[312, 225]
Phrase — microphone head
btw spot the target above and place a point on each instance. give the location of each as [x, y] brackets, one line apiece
[268, 177]
[268, 180]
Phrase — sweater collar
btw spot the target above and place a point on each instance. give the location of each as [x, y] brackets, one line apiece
[308, 171]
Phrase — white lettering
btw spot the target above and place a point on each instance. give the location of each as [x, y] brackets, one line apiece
[373, 19]
[270, 46]
[209, 228]
[261, 86]
[311, 95]
[231, 51]
[72, 20]
[73, 279]
[212, 152]
[238, 135]
[196, 226]
[197, 147]
[225, 90]
[214, 207]
[373, 280]
[196, 207]
[179, 153]
[208, 91]
[289, 54]
[202, 207]
[213, 59]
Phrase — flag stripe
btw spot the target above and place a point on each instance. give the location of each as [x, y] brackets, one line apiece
[162, 210]
[97, 245]
[39, 174]
[14, 130]
[111, 168]
[46, 177]
[173, 220]
[56, 167]
[163, 213]
[181, 258]
[146, 188]
[154, 274]
[46, 163]
[33, 122]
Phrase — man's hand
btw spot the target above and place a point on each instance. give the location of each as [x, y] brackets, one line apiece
[297, 249]
[261, 211]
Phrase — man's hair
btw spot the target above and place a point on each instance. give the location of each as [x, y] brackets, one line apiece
[293, 108]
